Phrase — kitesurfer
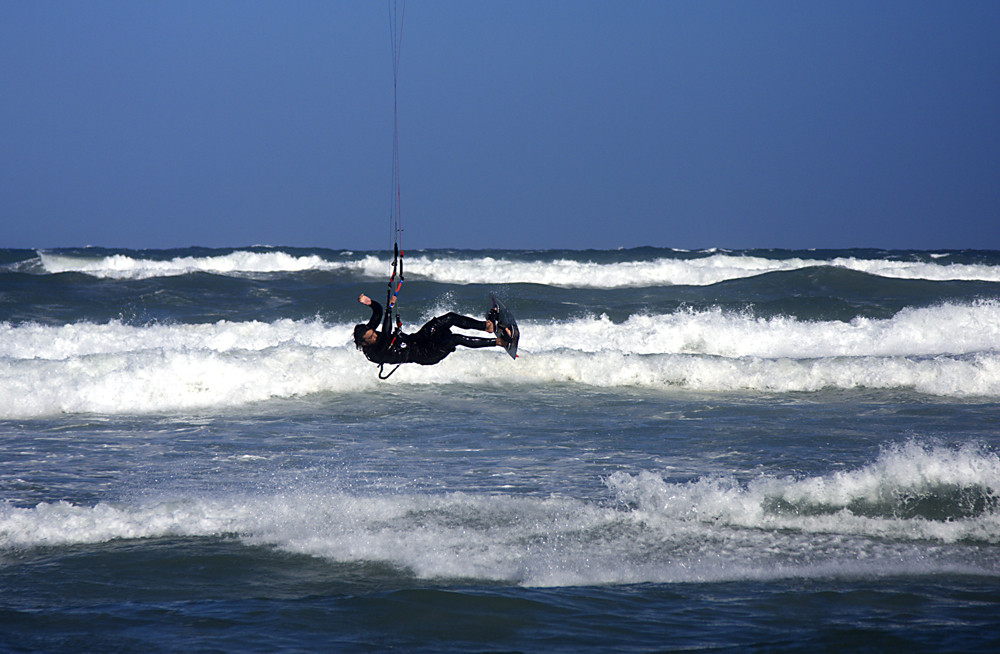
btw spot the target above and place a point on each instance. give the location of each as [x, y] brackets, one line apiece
[429, 345]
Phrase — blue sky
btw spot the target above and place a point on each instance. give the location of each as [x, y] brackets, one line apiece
[556, 124]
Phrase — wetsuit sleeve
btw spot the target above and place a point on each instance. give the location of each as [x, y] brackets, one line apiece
[384, 336]
[376, 316]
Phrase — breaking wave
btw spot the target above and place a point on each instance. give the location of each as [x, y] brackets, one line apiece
[863, 521]
[948, 350]
[577, 272]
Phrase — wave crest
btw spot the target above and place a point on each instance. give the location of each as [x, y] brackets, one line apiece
[950, 350]
[550, 270]
[655, 531]
[913, 491]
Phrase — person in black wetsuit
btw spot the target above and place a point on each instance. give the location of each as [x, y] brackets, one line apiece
[429, 345]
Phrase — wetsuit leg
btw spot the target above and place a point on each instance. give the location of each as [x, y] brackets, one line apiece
[452, 319]
[472, 341]
[435, 327]
[434, 341]
[444, 343]
[442, 338]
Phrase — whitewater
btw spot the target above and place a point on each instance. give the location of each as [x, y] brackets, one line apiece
[948, 350]
[710, 267]
[730, 449]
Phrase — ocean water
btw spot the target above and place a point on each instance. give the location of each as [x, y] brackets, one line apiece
[713, 450]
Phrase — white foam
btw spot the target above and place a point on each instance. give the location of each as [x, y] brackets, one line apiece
[652, 531]
[946, 329]
[873, 501]
[120, 266]
[665, 271]
[569, 273]
[920, 270]
[949, 350]
[972, 377]
[115, 368]
[33, 341]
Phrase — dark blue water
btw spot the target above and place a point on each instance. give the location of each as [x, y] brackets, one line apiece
[761, 450]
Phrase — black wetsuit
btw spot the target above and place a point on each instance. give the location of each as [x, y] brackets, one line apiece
[433, 342]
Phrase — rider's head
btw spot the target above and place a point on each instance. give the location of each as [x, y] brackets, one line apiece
[364, 336]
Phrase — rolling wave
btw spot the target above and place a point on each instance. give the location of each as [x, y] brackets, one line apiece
[948, 350]
[872, 520]
[123, 266]
[551, 270]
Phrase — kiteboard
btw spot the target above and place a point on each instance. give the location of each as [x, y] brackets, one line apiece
[505, 327]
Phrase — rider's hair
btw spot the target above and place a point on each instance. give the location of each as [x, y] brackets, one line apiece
[359, 335]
